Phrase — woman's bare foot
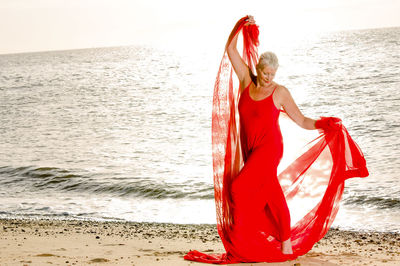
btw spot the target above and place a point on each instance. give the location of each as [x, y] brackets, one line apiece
[287, 247]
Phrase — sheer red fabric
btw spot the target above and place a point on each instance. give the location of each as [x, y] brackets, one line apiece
[312, 184]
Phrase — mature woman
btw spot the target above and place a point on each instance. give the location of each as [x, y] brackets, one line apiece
[259, 105]
[260, 101]
[253, 217]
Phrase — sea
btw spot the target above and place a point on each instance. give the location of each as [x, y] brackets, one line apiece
[124, 133]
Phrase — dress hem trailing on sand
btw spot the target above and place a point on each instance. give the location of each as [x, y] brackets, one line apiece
[312, 184]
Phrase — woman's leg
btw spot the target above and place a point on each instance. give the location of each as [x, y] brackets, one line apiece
[278, 208]
[287, 247]
[259, 200]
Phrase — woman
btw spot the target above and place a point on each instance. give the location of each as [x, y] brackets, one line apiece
[260, 101]
[253, 217]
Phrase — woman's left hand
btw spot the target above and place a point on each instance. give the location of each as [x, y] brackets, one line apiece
[328, 123]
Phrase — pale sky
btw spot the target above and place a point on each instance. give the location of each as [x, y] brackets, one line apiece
[41, 25]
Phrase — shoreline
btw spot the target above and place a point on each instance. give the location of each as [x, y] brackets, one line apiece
[83, 242]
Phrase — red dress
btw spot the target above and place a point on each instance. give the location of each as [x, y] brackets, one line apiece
[260, 205]
[253, 203]
[257, 182]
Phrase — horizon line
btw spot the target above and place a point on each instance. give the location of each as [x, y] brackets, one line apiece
[155, 47]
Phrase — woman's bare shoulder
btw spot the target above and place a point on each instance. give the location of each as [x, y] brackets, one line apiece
[282, 90]
[282, 94]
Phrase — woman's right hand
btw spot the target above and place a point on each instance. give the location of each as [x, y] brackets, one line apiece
[250, 20]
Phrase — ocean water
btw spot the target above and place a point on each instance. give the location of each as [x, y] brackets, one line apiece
[124, 133]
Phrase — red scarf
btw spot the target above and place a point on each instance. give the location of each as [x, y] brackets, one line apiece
[333, 149]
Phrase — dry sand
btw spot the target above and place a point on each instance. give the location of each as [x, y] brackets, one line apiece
[58, 242]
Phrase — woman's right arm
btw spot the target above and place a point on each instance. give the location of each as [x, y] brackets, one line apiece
[241, 68]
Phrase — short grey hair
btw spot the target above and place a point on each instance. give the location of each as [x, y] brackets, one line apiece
[268, 59]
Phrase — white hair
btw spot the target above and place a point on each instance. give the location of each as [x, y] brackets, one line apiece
[268, 59]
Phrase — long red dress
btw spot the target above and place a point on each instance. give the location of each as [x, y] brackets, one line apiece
[253, 203]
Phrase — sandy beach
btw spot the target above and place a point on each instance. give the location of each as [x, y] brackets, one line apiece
[73, 242]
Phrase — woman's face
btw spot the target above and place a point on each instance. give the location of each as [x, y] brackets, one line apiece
[266, 75]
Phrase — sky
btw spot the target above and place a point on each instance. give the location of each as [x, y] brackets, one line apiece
[42, 25]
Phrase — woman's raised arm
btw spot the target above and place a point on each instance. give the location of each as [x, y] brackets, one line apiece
[241, 68]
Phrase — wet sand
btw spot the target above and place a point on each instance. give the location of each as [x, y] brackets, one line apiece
[73, 242]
